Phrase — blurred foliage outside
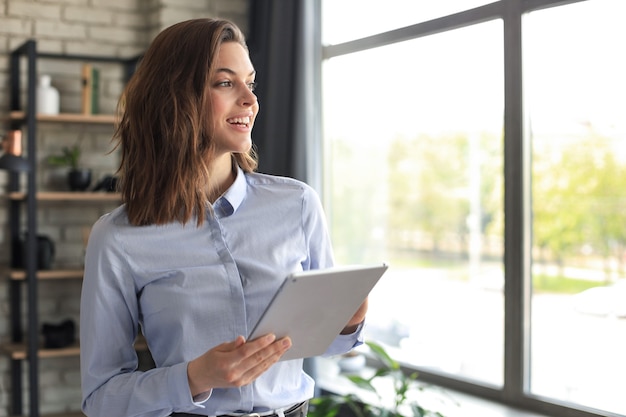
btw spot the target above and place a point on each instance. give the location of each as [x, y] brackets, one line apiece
[413, 200]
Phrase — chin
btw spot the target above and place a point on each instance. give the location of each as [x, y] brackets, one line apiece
[245, 147]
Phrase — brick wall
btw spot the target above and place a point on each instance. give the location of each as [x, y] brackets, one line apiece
[119, 28]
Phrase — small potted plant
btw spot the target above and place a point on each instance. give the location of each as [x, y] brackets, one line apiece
[351, 405]
[78, 178]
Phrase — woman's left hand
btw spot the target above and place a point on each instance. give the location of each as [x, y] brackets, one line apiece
[356, 319]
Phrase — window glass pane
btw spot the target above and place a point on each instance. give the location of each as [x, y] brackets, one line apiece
[369, 17]
[413, 176]
[576, 96]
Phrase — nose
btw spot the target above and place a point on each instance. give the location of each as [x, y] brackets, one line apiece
[248, 98]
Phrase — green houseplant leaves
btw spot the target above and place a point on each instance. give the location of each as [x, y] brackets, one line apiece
[351, 405]
[69, 157]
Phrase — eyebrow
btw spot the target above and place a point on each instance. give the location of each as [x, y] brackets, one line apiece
[231, 72]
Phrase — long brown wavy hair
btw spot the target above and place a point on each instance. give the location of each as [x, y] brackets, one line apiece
[165, 126]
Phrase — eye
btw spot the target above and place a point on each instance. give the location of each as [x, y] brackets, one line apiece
[252, 86]
[224, 84]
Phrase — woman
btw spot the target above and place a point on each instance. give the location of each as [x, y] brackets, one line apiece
[199, 246]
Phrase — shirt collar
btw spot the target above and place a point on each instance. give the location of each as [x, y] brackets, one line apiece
[230, 201]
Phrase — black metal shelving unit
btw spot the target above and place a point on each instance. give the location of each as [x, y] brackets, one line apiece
[27, 53]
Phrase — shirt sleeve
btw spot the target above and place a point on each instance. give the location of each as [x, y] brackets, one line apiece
[109, 318]
[344, 343]
[321, 256]
[320, 252]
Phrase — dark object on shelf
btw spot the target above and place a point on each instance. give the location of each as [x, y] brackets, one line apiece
[60, 335]
[108, 184]
[45, 252]
[12, 147]
[79, 179]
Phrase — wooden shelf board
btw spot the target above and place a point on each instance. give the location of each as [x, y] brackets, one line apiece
[20, 274]
[66, 414]
[67, 117]
[68, 196]
[19, 351]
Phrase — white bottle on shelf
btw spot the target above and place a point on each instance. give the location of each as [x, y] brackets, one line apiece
[47, 97]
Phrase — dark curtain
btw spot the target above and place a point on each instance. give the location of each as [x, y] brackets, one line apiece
[285, 47]
[285, 44]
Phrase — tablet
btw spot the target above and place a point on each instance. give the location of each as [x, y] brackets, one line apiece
[313, 306]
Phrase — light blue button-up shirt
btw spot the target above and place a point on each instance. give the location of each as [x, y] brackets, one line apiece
[192, 288]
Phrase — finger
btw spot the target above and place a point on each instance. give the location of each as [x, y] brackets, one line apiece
[269, 354]
[268, 338]
[252, 347]
[263, 359]
[230, 346]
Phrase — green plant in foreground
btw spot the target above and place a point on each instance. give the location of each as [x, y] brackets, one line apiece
[350, 404]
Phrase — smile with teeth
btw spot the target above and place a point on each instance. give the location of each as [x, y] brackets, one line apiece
[239, 121]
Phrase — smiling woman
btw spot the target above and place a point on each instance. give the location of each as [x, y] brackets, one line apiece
[200, 246]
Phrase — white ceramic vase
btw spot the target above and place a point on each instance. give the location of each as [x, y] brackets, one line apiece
[47, 97]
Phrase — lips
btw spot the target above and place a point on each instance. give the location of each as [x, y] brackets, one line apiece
[243, 121]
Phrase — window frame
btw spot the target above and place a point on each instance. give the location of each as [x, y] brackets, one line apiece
[517, 236]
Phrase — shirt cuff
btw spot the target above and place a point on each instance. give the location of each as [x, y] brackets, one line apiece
[359, 328]
[201, 398]
[344, 343]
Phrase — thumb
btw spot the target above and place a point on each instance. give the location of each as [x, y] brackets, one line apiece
[240, 340]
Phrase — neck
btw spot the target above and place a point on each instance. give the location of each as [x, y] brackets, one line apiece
[222, 177]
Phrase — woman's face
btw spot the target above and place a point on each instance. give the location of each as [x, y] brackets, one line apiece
[234, 104]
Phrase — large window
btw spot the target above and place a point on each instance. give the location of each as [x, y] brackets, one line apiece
[416, 175]
[576, 93]
[415, 179]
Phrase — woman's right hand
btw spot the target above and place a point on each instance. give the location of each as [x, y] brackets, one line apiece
[234, 364]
